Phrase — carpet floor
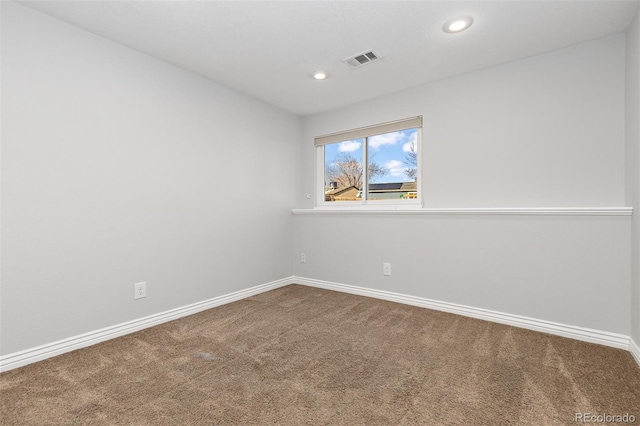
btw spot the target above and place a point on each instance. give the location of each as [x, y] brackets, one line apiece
[305, 356]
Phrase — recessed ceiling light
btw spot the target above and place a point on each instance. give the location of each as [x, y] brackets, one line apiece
[320, 75]
[458, 24]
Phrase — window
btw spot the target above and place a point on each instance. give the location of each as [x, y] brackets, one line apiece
[391, 153]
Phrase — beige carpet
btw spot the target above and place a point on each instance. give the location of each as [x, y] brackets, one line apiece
[300, 355]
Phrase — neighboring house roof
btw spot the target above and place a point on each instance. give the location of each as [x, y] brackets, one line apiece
[340, 191]
[347, 193]
[394, 187]
[352, 193]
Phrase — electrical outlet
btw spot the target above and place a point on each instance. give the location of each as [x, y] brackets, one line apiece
[303, 258]
[140, 290]
[386, 269]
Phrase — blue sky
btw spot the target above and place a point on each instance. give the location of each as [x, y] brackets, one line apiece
[388, 150]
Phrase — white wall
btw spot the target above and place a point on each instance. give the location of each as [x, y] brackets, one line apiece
[632, 166]
[569, 270]
[544, 131]
[547, 131]
[119, 168]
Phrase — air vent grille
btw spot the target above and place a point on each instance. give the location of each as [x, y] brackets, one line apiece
[363, 58]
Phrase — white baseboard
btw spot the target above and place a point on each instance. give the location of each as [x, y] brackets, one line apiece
[585, 334]
[28, 356]
[635, 350]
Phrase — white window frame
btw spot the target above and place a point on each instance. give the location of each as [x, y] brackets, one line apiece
[365, 133]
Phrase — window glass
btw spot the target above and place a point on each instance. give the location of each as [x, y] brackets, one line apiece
[375, 164]
[343, 174]
[393, 165]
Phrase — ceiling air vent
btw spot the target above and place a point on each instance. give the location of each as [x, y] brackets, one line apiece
[363, 58]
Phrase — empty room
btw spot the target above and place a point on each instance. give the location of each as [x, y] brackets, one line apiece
[320, 212]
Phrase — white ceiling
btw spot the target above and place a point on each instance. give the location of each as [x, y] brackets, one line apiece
[268, 49]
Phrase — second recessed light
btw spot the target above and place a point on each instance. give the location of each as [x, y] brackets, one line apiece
[320, 75]
[458, 24]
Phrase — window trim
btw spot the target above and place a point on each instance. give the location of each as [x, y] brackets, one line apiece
[374, 130]
[365, 132]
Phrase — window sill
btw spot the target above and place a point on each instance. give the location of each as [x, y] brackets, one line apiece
[529, 211]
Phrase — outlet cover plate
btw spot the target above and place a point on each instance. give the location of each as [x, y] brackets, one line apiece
[386, 269]
[140, 290]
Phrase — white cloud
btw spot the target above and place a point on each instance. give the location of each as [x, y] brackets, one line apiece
[392, 138]
[413, 139]
[395, 168]
[349, 146]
